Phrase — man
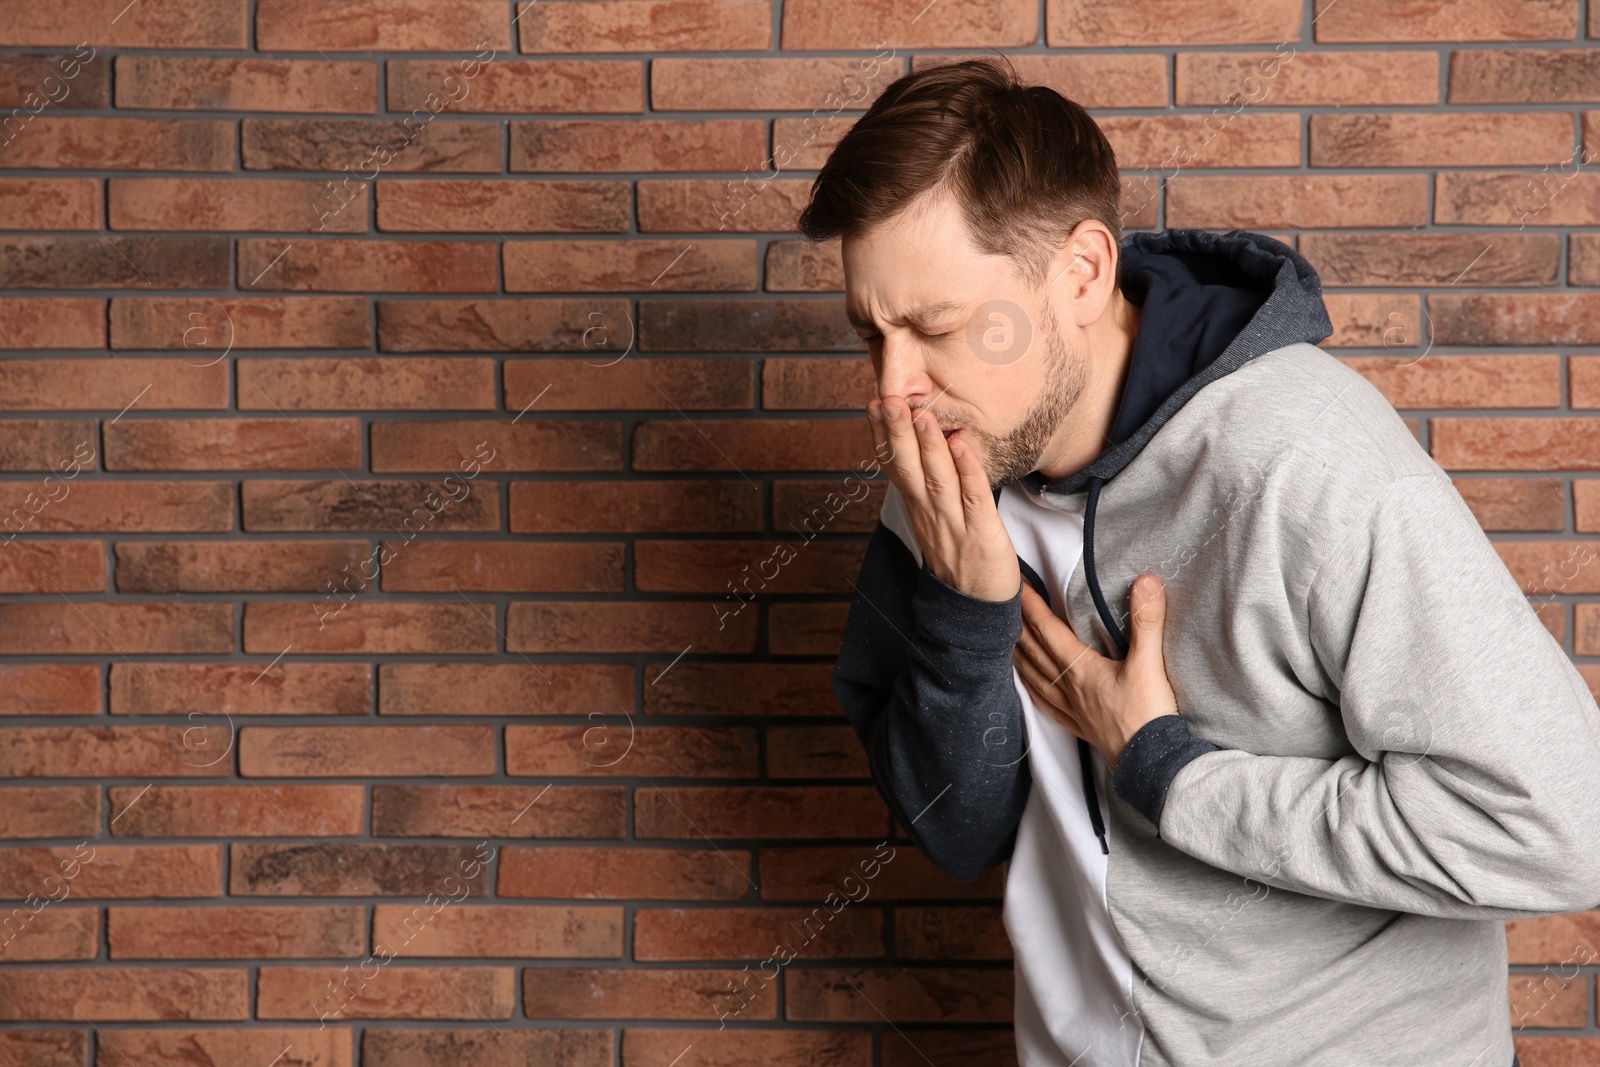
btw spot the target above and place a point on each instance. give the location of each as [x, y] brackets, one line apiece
[1271, 805]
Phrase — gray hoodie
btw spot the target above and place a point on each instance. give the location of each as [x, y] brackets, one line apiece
[1381, 752]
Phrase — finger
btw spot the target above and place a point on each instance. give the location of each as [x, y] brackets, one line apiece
[880, 433]
[938, 468]
[1050, 630]
[977, 495]
[906, 462]
[1047, 697]
[1149, 603]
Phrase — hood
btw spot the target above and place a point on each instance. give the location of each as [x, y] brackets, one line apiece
[1209, 304]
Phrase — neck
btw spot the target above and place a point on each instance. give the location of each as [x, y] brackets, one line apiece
[1086, 431]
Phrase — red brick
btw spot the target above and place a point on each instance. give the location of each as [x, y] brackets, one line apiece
[54, 567]
[618, 749]
[234, 810]
[54, 445]
[436, 1047]
[365, 751]
[951, 934]
[521, 206]
[49, 689]
[1585, 372]
[807, 875]
[350, 504]
[501, 810]
[236, 933]
[356, 266]
[730, 1047]
[754, 933]
[123, 144]
[624, 874]
[1433, 258]
[746, 445]
[52, 203]
[733, 205]
[613, 626]
[522, 325]
[1523, 76]
[340, 869]
[534, 444]
[105, 872]
[43, 1048]
[233, 566]
[503, 688]
[1545, 568]
[1515, 503]
[519, 567]
[657, 145]
[1106, 23]
[206, 325]
[805, 629]
[1553, 196]
[103, 629]
[1508, 443]
[1436, 381]
[1583, 260]
[49, 811]
[1441, 140]
[777, 84]
[1554, 939]
[640, 993]
[226, 204]
[106, 751]
[150, 24]
[395, 992]
[817, 384]
[1515, 318]
[480, 26]
[770, 325]
[232, 444]
[1122, 80]
[146, 506]
[241, 688]
[902, 994]
[1298, 201]
[518, 85]
[1288, 77]
[1548, 999]
[665, 266]
[64, 81]
[72, 385]
[479, 931]
[738, 688]
[1376, 320]
[803, 144]
[1168, 142]
[639, 383]
[739, 570]
[413, 384]
[52, 322]
[74, 262]
[766, 813]
[353, 145]
[815, 752]
[63, 933]
[168, 1047]
[646, 26]
[210, 83]
[571, 506]
[373, 627]
[837, 506]
[1450, 20]
[118, 994]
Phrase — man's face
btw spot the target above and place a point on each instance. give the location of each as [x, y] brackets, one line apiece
[956, 331]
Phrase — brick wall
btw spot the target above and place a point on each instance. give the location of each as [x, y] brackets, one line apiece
[402, 666]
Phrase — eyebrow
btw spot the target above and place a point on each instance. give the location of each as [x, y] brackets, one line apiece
[917, 316]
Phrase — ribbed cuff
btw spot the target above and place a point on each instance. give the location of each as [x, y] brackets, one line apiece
[1155, 754]
[964, 621]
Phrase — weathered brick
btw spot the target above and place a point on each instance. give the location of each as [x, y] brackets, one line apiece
[815, 752]
[804, 266]
[997, 23]
[513, 688]
[1106, 23]
[1583, 260]
[1546, 568]
[1376, 320]
[367, 627]
[664, 266]
[49, 811]
[106, 872]
[413, 384]
[52, 203]
[1515, 503]
[365, 751]
[817, 384]
[226, 204]
[313, 1046]
[234, 810]
[123, 144]
[1560, 196]
[723, 933]
[639, 993]
[770, 325]
[1396, 139]
[1449, 20]
[1433, 258]
[63, 81]
[338, 869]
[57, 567]
[209, 326]
[54, 445]
[624, 874]
[908, 994]
[646, 26]
[43, 1048]
[752, 444]
[68, 385]
[106, 751]
[61, 933]
[114, 263]
[1556, 939]
[232, 444]
[723, 1048]
[502, 810]
[805, 629]
[210, 83]
[729, 205]
[639, 383]
[356, 146]
[739, 570]
[1293, 78]
[49, 689]
[357, 266]
[188, 933]
[519, 930]
[518, 85]
[555, 145]
[739, 689]
[614, 626]
[779, 84]
[521, 325]
[396, 992]
[515, 566]
[119, 994]
[951, 933]
[1515, 318]
[350, 504]
[1298, 201]
[109, 629]
[527, 445]
[1168, 142]
[1126, 79]
[149, 24]
[1523, 75]
[524, 206]
[572, 506]
[1547, 999]
[835, 506]
[233, 566]
[480, 26]
[435, 1047]
[806, 875]
[52, 322]
[766, 813]
[241, 688]
[626, 749]
[1436, 381]
[1510, 443]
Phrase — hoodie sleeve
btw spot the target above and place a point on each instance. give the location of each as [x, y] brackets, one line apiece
[1474, 791]
[926, 678]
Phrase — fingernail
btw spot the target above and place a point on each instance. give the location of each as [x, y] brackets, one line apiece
[893, 412]
[874, 412]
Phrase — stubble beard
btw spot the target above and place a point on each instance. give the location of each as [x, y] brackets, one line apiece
[1008, 457]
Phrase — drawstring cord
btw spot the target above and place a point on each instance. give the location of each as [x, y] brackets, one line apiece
[1084, 753]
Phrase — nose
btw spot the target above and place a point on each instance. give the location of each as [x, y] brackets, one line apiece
[902, 369]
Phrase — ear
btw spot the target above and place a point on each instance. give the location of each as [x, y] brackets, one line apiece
[1084, 271]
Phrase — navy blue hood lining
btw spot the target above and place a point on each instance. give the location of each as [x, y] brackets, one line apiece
[1209, 304]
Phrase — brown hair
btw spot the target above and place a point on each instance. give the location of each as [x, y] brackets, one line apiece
[1025, 163]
